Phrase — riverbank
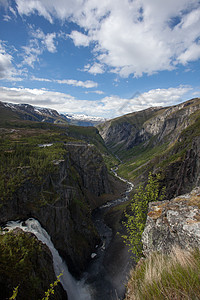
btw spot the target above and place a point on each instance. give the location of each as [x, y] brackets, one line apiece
[107, 274]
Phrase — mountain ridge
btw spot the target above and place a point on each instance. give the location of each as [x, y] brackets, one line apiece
[164, 140]
[47, 115]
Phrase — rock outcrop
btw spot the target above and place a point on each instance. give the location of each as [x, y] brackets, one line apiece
[62, 202]
[173, 223]
[30, 267]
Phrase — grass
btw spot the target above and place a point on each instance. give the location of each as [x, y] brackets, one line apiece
[146, 157]
[174, 276]
[142, 157]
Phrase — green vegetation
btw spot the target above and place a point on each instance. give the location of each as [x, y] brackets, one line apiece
[51, 291]
[143, 158]
[14, 295]
[22, 158]
[174, 276]
[136, 218]
[91, 136]
[18, 256]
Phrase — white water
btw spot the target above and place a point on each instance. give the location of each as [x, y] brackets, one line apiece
[75, 289]
[123, 199]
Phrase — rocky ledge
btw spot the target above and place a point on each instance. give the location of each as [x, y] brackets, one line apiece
[173, 223]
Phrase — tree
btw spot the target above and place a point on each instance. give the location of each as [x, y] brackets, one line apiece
[136, 218]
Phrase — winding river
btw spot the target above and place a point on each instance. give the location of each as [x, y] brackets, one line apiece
[108, 272]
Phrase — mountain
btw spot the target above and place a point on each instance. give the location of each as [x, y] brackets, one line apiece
[13, 112]
[165, 140]
[83, 120]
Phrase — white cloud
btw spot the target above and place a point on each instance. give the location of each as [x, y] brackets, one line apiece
[78, 83]
[40, 97]
[86, 84]
[49, 42]
[95, 92]
[191, 54]
[31, 53]
[38, 43]
[79, 38]
[7, 18]
[197, 93]
[130, 37]
[107, 107]
[7, 70]
[40, 79]
[5, 65]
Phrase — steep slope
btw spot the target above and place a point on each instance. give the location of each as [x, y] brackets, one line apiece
[11, 112]
[58, 180]
[164, 140]
[164, 124]
[26, 263]
[122, 133]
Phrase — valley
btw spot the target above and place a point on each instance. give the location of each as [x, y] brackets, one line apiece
[62, 176]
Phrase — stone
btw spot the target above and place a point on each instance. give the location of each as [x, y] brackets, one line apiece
[173, 223]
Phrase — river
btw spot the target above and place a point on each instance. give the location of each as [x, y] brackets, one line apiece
[107, 273]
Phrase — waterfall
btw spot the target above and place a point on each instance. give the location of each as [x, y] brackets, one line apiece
[76, 290]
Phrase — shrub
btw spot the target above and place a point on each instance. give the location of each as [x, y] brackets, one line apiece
[138, 211]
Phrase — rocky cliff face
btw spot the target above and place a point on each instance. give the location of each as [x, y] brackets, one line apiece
[162, 123]
[173, 223]
[183, 174]
[160, 140]
[61, 204]
[127, 131]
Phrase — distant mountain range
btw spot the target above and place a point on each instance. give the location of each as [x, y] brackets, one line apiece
[13, 112]
[83, 120]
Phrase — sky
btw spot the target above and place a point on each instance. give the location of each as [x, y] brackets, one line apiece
[100, 58]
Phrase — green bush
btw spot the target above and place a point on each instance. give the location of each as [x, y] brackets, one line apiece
[138, 211]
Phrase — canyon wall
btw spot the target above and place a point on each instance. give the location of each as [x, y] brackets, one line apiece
[62, 202]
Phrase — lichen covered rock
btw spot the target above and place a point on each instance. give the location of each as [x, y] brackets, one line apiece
[173, 223]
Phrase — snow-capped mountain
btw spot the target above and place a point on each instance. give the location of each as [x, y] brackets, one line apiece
[32, 113]
[41, 114]
[83, 120]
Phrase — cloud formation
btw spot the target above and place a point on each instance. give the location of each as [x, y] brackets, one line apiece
[129, 37]
[78, 83]
[109, 107]
[38, 43]
[7, 70]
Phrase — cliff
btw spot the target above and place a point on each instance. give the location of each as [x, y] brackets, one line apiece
[62, 200]
[164, 124]
[30, 267]
[160, 140]
[173, 223]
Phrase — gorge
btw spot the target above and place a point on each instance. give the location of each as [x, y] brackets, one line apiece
[69, 189]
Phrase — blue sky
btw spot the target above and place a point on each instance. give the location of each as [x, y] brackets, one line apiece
[101, 58]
